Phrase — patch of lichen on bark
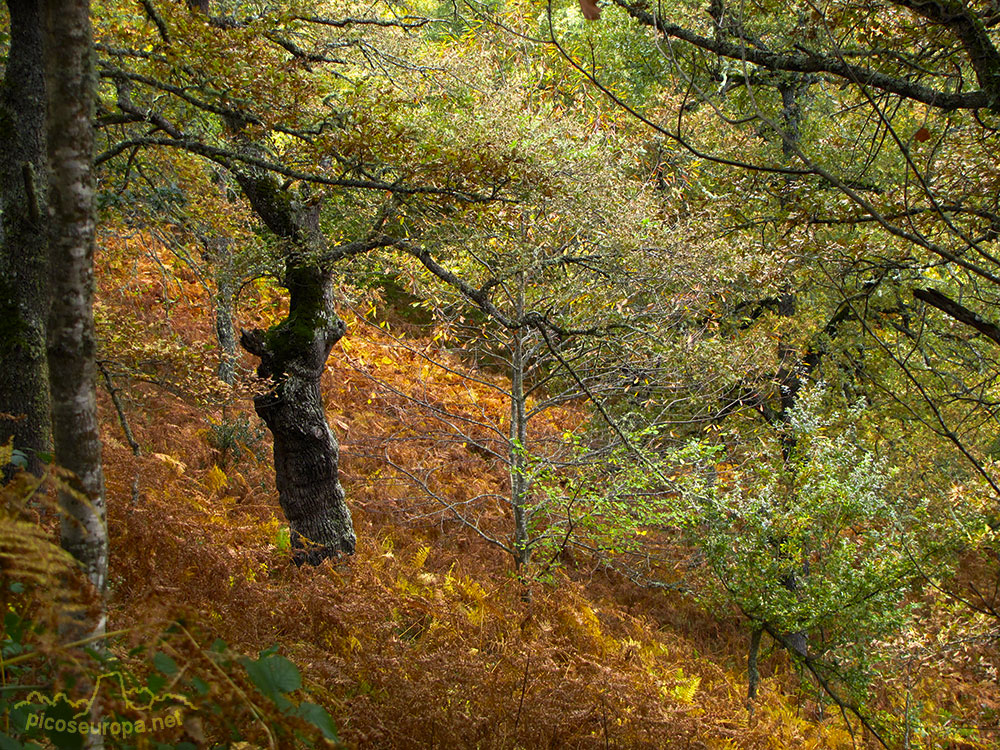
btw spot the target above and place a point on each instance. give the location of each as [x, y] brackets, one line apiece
[16, 333]
[309, 316]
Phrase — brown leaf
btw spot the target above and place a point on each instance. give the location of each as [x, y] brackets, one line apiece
[590, 10]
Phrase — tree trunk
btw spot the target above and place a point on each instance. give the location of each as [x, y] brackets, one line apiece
[293, 356]
[24, 390]
[225, 332]
[753, 673]
[71, 342]
[219, 253]
[519, 482]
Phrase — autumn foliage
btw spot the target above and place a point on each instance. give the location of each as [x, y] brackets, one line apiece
[424, 637]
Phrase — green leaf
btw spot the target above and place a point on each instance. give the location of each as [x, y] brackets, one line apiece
[200, 685]
[156, 683]
[274, 675]
[62, 712]
[14, 626]
[165, 664]
[319, 718]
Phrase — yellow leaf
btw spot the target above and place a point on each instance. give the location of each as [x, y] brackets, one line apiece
[420, 556]
[685, 689]
[216, 479]
[177, 466]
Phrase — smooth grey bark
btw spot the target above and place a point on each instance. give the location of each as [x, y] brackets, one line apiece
[520, 484]
[225, 331]
[24, 390]
[218, 252]
[70, 82]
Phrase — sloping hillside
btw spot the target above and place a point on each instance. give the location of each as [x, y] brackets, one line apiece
[423, 638]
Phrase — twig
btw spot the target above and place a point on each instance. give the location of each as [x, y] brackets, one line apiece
[520, 703]
[126, 428]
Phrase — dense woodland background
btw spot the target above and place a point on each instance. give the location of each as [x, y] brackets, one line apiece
[501, 375]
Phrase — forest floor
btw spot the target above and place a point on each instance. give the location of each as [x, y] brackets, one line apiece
[424, 638]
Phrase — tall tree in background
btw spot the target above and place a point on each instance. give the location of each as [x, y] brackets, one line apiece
[887, 182]
[70, 82]
[24, 397]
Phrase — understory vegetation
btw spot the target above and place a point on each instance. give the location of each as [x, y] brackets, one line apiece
[505, 375]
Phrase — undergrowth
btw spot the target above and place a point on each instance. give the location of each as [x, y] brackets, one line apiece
[422, 639]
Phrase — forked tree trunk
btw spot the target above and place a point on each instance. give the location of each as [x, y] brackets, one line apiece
[293, 356]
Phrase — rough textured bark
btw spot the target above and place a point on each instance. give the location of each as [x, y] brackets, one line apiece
[71, 343]
[293, 355]
[24, 392]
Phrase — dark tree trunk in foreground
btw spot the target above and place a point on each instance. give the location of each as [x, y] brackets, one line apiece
[306, 455]
[293, 356]
[24, 389]
[71, 344]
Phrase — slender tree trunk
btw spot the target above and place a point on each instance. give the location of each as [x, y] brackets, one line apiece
[225, 332]
[218, 252]
[753, 673]
[293, 356]
[24, 389]
[789, 378]
[71, 342]
[518, 439]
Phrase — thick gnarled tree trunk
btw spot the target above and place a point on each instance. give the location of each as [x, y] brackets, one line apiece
[24, 390]
[293, 356]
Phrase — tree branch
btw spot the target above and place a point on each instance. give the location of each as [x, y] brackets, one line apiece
[227, 158]
[964, 24]
[408, 22]
[959, 312]
[157, 20]
[808, 61]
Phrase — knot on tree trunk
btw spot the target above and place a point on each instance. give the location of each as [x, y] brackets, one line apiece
[255, 342]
